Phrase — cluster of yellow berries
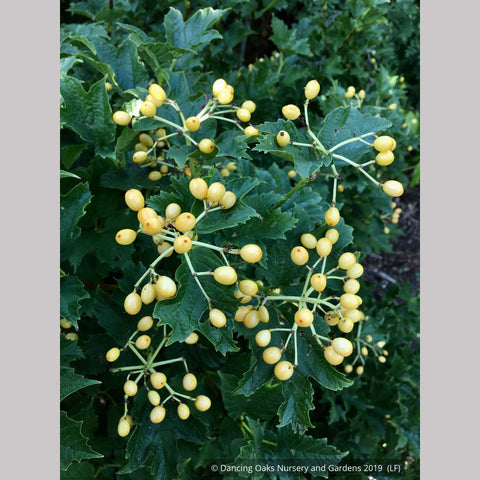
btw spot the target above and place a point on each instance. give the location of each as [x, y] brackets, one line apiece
[396, 213]
[350, 93]
[66, 325]
[364, 346]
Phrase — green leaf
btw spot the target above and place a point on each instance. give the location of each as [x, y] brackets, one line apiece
[160, 441]
[64, 174]
[225, 219]
[73, 445]
[72, 208]
[69, 351]
[87, 113]
[78, 471]
[286, 39]
[67, 63]
[70, 382]
[298, 401]
[69, 154]
[196, 32]
[314, 365]
[256, 376]
[345, 123]
[72, 292]
[232, 144]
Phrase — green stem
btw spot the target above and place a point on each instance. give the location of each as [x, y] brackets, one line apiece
[166, 362]
[192, 270]
[207, 211]
[207, 245]
[294, 190]
[168, 122]
[152, 267]
[357, 166]
[137, 353]
[335, 180]
[226, 120]
[351, 140]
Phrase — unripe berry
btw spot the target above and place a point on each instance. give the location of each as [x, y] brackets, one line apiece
[183, 411]
[132, 303]
[146, 139]
[125, 236]
[332, 235]
[130, 388]
[355, 271]
[123, 428]
[383, 143]
[342, 346]
[393, 188]
[385, 158]
[251, 319]
[185, 222]
[303, 317]
[308, 240]
[166, 287]
[324, 247]
[71, 336]
[189, 382]
[158, 380]
[347, 260]
[299, 255]
[332, 357]
[140, 147]
[241, 312]
[157, 414]
[283, 370]
[121, 118]
[225, 275]
[192, 124]
[134, 199]
[182, 244]
[215, 192]
[312, 89]
[263, 338]
[318, 282]
[228, 200]
[291, 112]
[248, 287]
[153, 397]
[249, 105]
[263, 314]
[332, 216]
[145, 323]
[139, 157]
[283, 138]
[225, 172]
[217, 318]
[112, 354]
[250, 130]
[272, 355]
[192, 338]
[148, 109]
[148, 293]
[202, 403]
[172, 211]
[143, 342]
[243, 115]
[198, 188]
[251, 253]
[368, 338]
[157, 92]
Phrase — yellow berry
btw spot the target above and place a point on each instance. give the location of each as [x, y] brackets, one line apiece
[206, 145]
[153, 225]
[263, 338]
[383, 143]
[228, 200]
[145, 323]
[318, 282]
[308, 240]
[189, 382]
[146, 139]
[345, 325]
[361, 94]
[251, 318]
[263, 314]
[125, 236]
[312, 89]
[226, 95]
[299, 255]
[303, 317]
[243, 115]
[272, 355]
[198, 188]
[130, 388]
[123, 428]
[192, 124]
[153, 397]
[249, 105]
[183, 411]
[157, 92]
[385, 158]
[392, 106]
[182, 244]
[215, 192]
[185, 222]
[132, 303]
[355, 271]
[351, 286]
[283, 370]
[350, 92]
[248, 287]
[292, 174]
[332, 216]
[218, 86]
[251, 253]
[112, 354]
[143, 342]
[172, 211]
[331, 318]
[148, 109]
[393, 188]
[154, 176]
[324, 247]
[134, 199]
[122, 118]
[332, 235]
[225, 275]
[332, 357]
[64, 323]
[241, 312]
[364, 351]
[158, 380]
[359, 370]
[291, 112]
[157, 414]
[165, 287]
[150, 98]
[381, 359]
[283, 138]
[202, 403]
[250, 130]
[342, 346]
[145, 213]
[349, 301]
[71, 336]
[139, 157]
[217, 318]
[347, 260]
[348, 368]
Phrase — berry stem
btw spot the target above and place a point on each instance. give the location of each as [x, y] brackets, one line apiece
[166, 362]
[192, 270]
[318, 143]
[207, 245]
[168, 122]
[125, 369]
[352, 140]
[152, 266]
[295, 347]
[335, 180]
[294, 190]
[131, 346]
[207, 211]
[370, 162]
[226, 120]
[357, 166]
